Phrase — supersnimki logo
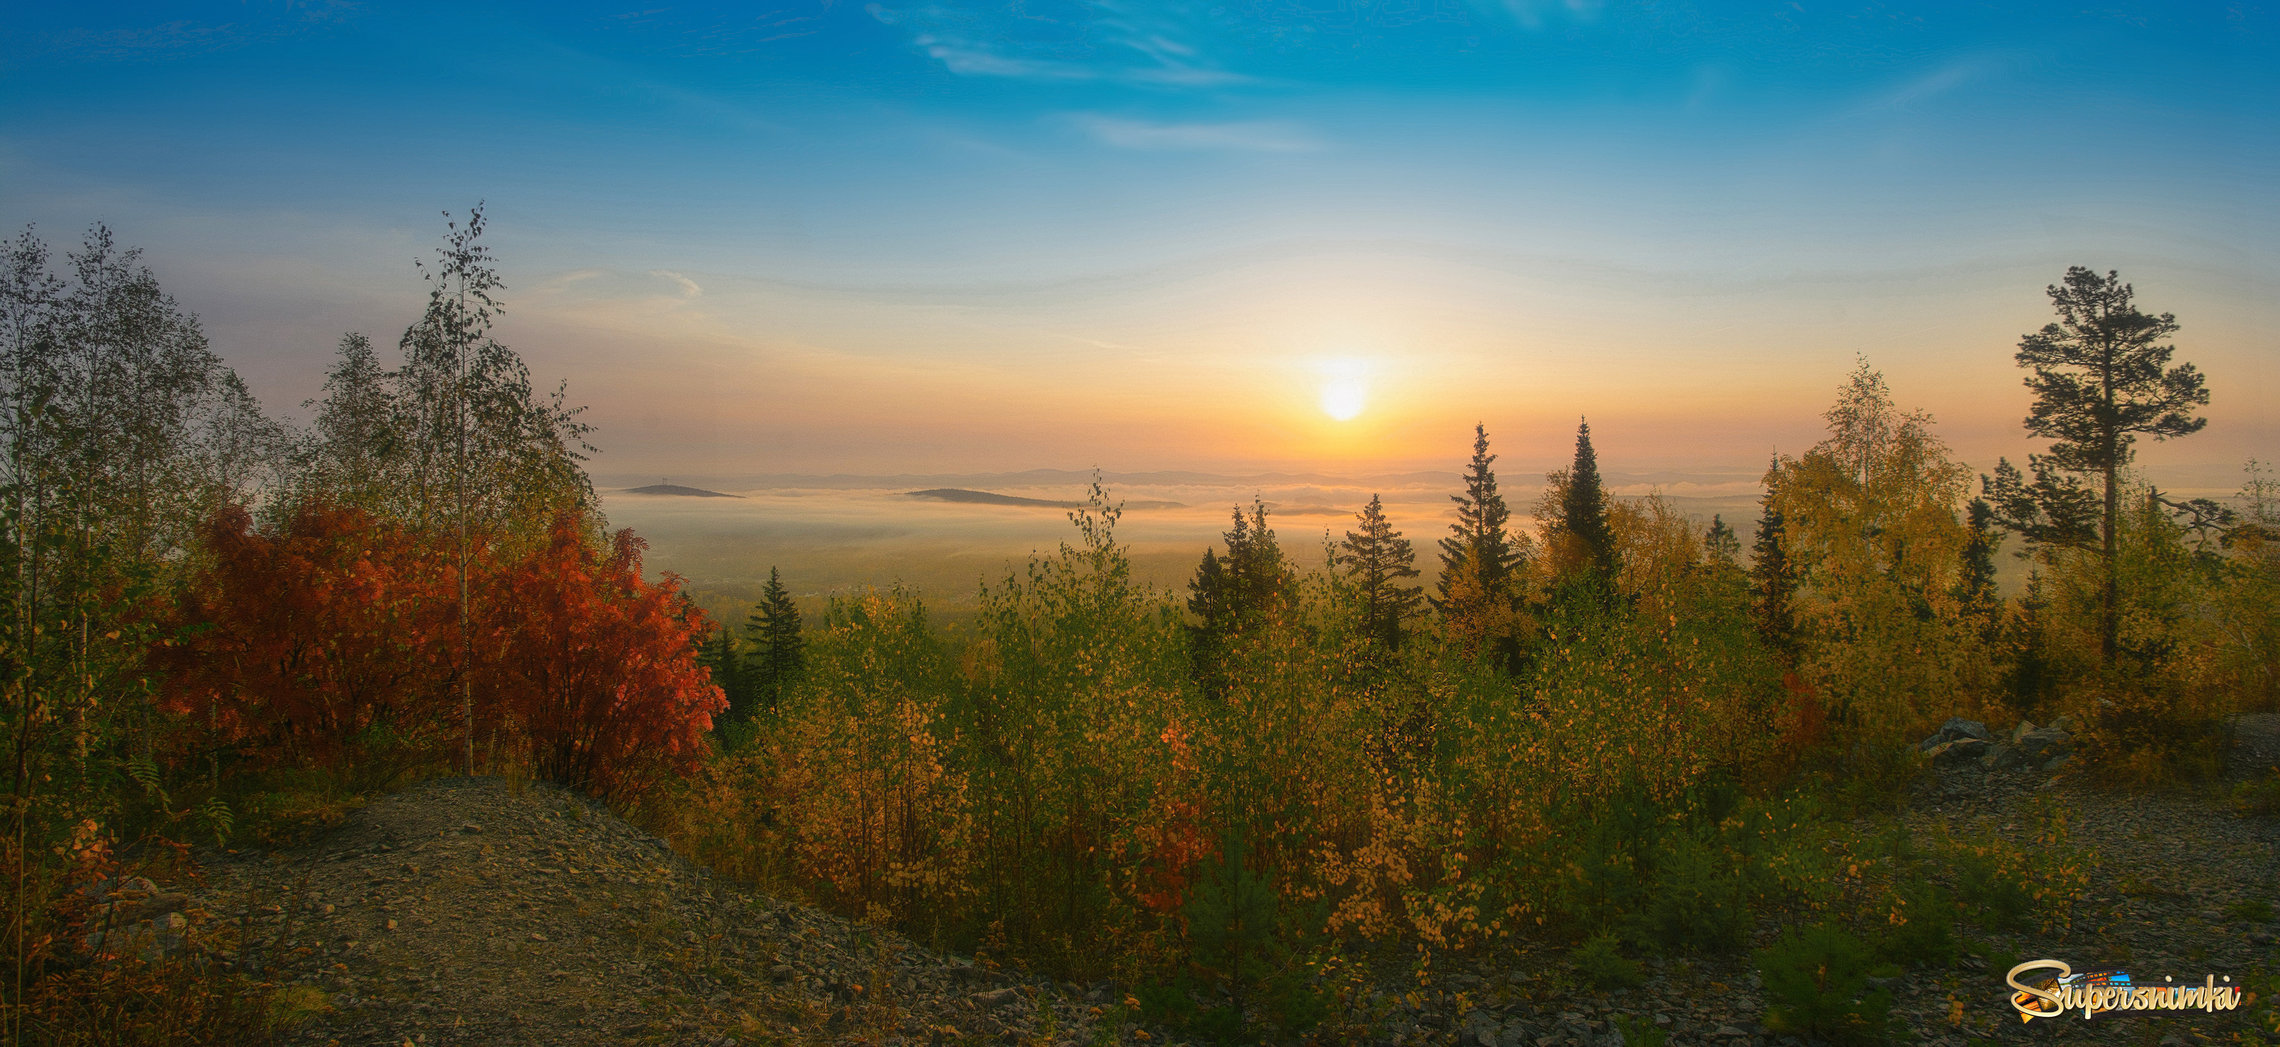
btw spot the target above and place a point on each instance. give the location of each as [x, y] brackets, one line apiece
[2049, 988]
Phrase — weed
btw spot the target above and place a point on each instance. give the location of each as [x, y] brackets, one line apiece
[1639, 1032]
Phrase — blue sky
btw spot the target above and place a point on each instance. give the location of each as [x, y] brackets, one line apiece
[965, 237]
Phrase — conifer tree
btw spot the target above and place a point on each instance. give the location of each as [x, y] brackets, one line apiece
[1479, 535]
[1583, 509]
[777, 657]
[1234, 594]
[1377, 558]
[1975, 586]
[2101, 377]
[1772, 579]
[1719, 544]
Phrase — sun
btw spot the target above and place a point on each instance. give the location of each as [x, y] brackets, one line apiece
[1345, 389]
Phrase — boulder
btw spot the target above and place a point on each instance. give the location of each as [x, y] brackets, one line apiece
[2021, 730]
[2043, 742]
[1958, 727]
[1955, 729]
[1961, 751]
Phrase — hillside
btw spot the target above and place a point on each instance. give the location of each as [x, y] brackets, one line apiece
[484, 911]
[488, 912]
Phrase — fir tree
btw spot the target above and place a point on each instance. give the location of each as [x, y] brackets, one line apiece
[1719, 544]
[1772, 578]
[1583, 509]
[1377, 558]
[1479, 535]
[1975, 586]
[1233, 595]
[777, 656]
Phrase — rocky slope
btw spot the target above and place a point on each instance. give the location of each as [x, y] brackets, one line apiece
[482, 911]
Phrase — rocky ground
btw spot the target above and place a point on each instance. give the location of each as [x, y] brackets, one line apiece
[484, 911]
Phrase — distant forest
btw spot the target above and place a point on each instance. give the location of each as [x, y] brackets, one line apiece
[1616, 732]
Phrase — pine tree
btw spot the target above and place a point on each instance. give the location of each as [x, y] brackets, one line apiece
[1772, 579]
[1479, 535]
[1377, 558]
[2101, 376]
[777, 657]
[1975, 586]
[1232, 595]
[1719, 544]
[1583, 509]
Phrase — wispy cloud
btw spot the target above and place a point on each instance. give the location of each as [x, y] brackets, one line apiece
[1935, 83]
[1074, 40]
[1266, 136]
[689, 288]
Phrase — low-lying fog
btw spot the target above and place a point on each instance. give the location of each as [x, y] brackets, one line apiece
[839, 534]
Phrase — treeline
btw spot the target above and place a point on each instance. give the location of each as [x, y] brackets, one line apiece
[1608, 730]
[218, 624]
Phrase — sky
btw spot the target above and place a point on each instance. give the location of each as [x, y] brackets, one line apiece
[1314, 236]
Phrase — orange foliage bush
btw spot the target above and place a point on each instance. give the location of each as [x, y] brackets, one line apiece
[592, 670]
[333, 639]
[332, 630]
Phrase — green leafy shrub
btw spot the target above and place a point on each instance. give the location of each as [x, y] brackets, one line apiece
[1816, 985]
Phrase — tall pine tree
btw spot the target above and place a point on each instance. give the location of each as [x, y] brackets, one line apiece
[1377, 558]
[1583, 510]
[777, 656]
[1233, 595]
[2101, 378]
[1478, 540]
[1772, 578]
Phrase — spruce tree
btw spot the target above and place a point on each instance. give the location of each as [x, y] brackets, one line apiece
[1479, 533]
[1719, 544]
[1235, 594]
[777, 655]
[1772, 578]
[1975, 586]
[1583, 509]
[1377, 558]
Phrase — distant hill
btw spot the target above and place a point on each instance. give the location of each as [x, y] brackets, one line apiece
[677, 489]
[960, 494]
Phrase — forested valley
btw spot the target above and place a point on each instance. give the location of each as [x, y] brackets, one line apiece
[1570, 738]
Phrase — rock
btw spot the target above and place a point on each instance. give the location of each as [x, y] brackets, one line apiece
[153, 906]
[2001, 758]
[1963, 751]
[2058, 761]
[2043, 742]
[2021, 730]
[1958, 727]
[998, 999]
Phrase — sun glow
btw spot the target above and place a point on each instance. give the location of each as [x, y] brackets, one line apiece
[1345, 389]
